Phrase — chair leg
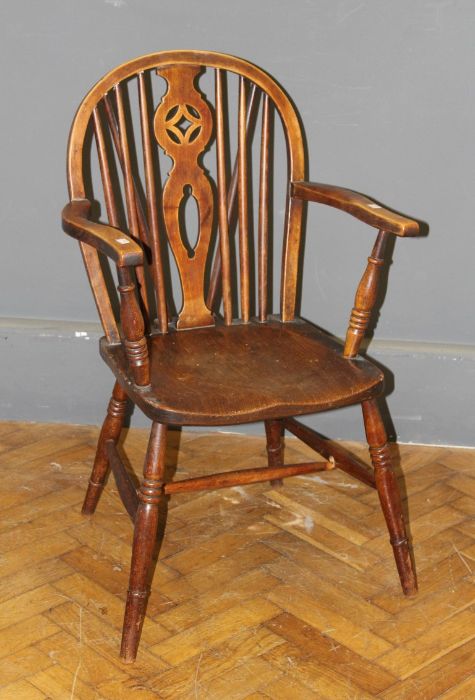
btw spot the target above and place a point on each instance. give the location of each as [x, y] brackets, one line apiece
[275, 446]
[389, 494]
[145, 535]
[111, 429]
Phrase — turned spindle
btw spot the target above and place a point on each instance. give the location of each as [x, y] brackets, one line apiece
[365, 297]
[131, 318]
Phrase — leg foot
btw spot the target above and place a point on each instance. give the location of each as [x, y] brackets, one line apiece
[110, 431]
[145, 534]
[136, 605]
[389, 495]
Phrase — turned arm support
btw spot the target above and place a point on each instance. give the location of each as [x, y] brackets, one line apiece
[126, 253]
[365, 297]
[375, 215]
[357, 205]
[133, 328]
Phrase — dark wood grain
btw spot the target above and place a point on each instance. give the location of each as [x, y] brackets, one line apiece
[212, 300]
[113, 125]
[275, 446]
[145, 533]
[243, 207]
[122, 249]
[100, 292]
[222, 201]
[135, 342]
[106, 176]
[181, 102]
[357, 205]
[130, 190]
[123, 480]
[263, 228]
[242, 373]
[212, 366]
[389, 494]
[329, 449]
[238, 477]
[152, 206]
[365, 298]
[109, 434]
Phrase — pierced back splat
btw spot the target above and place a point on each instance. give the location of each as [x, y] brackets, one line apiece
[183, 126]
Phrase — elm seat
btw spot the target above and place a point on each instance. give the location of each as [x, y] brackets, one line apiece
[233, 374]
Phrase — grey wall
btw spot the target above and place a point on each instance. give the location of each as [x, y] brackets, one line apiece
[385, 90]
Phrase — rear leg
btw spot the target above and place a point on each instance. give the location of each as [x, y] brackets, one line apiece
[111, 429]
[275, 446]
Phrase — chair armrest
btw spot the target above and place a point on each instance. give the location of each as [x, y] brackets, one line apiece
[111, 241]
[357, 205]
[126, 253]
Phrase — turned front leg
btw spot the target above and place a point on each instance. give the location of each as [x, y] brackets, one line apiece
[145, 535]
[365, 298]
[389, 494]
[110, 431]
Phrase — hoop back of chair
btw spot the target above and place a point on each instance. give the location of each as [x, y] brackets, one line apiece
[185, 126]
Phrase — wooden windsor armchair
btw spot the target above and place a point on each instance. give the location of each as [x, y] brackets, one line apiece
[203, 366]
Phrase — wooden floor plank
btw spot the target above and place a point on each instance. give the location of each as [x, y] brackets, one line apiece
[58, 682]
[239, 681]
[22, 664]
[200, 607]
[461, 691]
[364, 673]
[215, 629]
[91, 630]
[21, 635]
[81, 659]
[213, 662]
[429, 646]
[330, 623]
[29, 578]
[92, 597]
[324, 539]
[331, 683]
[21, 690]
[21, 607]
[130, 689]
[431, 681]
[260, 592]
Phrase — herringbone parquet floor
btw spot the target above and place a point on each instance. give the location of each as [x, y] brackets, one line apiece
[285, 593]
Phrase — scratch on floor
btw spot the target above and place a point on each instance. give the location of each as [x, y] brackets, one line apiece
[78, 667]
[302, 521]
[462, 559]
[242, 492]
[319, 480]
[196, 683]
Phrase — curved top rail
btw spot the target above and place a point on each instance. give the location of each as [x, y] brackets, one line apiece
[209, 59]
